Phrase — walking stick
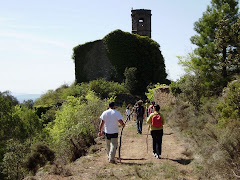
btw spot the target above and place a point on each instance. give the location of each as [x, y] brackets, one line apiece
[120, 144]
[120, 140]
[147, 137]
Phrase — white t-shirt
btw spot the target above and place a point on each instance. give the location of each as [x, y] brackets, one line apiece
[110, 118]
[128, 112]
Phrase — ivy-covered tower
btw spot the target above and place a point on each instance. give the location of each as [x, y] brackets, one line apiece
[141, 22]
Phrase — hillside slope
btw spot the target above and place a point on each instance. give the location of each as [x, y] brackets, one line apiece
[136, 162]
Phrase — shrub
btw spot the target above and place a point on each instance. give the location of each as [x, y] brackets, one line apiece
[174, 88]
[230, 106]
[106, 89]
[40, 156]
[150, 93]
[75, 125]
[192, 90]
[13, 161]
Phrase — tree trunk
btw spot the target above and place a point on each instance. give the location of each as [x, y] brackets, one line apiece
[224, 66]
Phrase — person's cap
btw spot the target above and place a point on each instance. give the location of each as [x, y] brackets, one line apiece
[140, 102]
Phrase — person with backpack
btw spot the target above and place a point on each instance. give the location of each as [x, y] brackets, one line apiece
[139, 116]
[156, 121]
[109, 127]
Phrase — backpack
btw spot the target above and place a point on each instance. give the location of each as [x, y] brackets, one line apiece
[140, 111]
[156, 120]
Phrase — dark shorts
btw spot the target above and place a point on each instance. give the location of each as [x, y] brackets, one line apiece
[109, 136]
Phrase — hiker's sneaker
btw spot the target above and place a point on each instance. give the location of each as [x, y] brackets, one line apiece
[157, 156]
[112, 161]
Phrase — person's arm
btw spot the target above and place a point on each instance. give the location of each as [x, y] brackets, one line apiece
[149, 119]
[121, 122]
[100, 132]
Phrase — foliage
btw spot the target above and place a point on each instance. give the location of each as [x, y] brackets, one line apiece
[9, 126]
[28, 103]
[150, 93]
[31, 123]
[230, 107]
[215, 45]
[213, 130]
[7, 103]
[48, 99]
[192, 90]
[13, 161]
[40, 156]
[106, 89]
[79, 54]
[131, 79]
[74, 127]
[174, 87]
[75, 90]
[126, 50]
[130, 50]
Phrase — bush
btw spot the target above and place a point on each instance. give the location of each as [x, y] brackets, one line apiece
[40, 156]
[174, 88]
[13, 161]
[192, 90]
[75, 126]
[230, 106]
[150, 93]
[106, 89]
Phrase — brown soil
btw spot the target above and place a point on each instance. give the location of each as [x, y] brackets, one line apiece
[137, 160]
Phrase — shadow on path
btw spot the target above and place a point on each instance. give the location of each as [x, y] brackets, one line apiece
[180, 161]
[129, 159]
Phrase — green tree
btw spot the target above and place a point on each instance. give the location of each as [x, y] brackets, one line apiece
[213, 41]
[13, 161]
[192, 89]
[30, 122]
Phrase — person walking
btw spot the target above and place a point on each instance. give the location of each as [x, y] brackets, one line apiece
[128, 112]
[156, 121]
[147, 104]
[151, 108]
[109, 127]
[139, 116]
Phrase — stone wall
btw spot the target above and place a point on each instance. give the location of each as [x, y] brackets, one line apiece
[163, 96]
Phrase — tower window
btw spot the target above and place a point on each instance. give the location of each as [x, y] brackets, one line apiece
[141, 20]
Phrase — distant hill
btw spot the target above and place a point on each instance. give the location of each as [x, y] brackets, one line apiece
[22, 97]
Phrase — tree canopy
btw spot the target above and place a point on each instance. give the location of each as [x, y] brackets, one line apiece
[217, 42]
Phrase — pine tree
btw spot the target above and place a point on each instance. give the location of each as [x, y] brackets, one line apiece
[215, 42]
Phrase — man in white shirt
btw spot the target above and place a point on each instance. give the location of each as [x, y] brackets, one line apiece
[109, 126]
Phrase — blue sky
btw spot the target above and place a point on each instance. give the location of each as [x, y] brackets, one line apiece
[37, 37]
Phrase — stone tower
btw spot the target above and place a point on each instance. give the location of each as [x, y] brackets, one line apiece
[141, 22]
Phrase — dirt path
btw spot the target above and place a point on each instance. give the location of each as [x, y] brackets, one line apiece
[136, 162]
